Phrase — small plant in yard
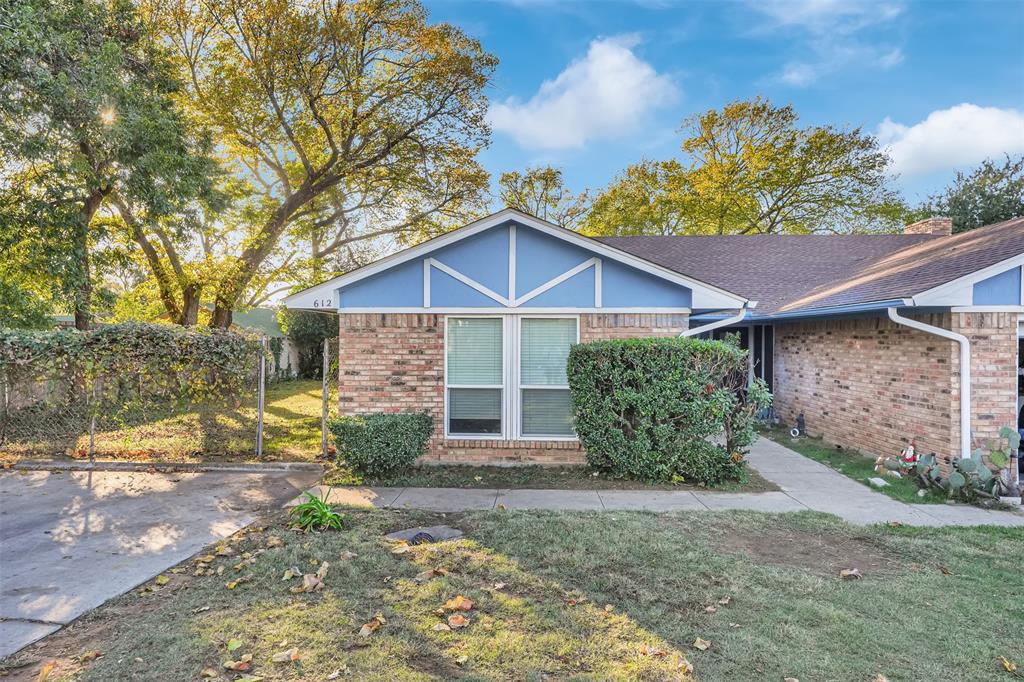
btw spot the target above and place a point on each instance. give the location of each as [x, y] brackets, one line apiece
[969, 478]
[381, 444]
[315, 514]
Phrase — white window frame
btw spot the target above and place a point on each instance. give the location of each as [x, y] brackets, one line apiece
[502, 387]
[518, 387]
[511, 389]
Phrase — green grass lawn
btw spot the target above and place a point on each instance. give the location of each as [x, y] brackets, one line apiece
[209, 432]
[855, 465]
[595, 596]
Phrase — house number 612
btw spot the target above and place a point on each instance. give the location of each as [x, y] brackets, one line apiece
[323, 303]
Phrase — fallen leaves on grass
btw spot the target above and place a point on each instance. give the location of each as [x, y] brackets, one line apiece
[290, 573]
[209, 673]
[232, 584]
[701, 644]
[457, 620]
[346, 555]
[724, 601]
[1008, 665]
[459, 603]
[372, 625]
[241, 665]
[90, 656]
[234, 644]
[430, 574]
[442, 627]
[162, 580]
[311, 582]
[850, 574]
[274, 541]
[286, 656]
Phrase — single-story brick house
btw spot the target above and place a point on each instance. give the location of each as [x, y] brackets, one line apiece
[867, 336]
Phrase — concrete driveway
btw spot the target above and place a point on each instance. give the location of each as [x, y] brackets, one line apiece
[70, 541]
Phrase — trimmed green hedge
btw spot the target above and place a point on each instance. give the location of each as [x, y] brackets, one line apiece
[380, 444]
[656, 409]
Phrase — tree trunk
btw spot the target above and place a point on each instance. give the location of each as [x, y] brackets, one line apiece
[83, 292]
[222, 311]
[190, 306]
[230, 291]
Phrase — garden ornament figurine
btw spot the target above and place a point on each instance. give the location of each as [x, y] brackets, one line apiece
[801, 427]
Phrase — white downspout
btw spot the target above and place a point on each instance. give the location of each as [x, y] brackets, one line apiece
[715, 325]
[965, 372]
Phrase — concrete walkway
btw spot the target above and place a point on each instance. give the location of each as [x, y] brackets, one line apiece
[804, 483]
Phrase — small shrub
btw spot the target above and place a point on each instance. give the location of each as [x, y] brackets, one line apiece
[315, 514]
[653, 409]
[381, 444]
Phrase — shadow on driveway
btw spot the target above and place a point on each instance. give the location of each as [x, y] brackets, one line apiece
[70, 541]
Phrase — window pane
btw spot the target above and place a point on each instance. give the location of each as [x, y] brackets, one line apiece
[474, 410]
[545, 350]
[546, 412]
[474, 351]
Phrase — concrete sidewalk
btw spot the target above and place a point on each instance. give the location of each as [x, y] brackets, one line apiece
[805, 485]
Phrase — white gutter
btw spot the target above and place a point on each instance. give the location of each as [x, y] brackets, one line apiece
[720, 323]
[965, 372]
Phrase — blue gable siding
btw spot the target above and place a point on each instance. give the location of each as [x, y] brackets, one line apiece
[448, 292]
[398, 287]
[539, 258]
[484, 258]
[1001, 289]
[626, 287]
[575, 292]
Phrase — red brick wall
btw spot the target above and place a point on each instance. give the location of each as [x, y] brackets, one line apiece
[872, 385]
[993, 372]
[599, 326]
[395, 363]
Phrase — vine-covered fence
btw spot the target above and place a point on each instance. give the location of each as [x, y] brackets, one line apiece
[156, 389]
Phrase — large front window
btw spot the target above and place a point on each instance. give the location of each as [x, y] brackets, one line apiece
[475, 376]
[544, 389]
[505, 376]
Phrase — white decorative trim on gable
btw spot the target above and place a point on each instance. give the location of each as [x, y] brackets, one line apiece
[705, 296]
[959, 292]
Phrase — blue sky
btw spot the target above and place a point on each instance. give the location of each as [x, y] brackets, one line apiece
[594, 86]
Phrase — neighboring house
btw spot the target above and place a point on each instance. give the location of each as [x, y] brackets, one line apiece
[263, 321]
[862, 334]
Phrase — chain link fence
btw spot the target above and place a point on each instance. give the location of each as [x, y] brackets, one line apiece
[126, 400]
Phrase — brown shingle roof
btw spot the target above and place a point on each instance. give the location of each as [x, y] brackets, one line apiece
[797, 272]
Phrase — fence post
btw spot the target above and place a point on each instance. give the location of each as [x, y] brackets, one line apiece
[325, 396]
[260, 396]
[92, 424]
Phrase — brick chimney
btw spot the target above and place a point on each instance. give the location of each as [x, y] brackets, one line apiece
[935, 225]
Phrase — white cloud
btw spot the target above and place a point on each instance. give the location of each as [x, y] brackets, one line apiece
[960, 136]
[831, 28]
[606, 93]
[820, 16]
